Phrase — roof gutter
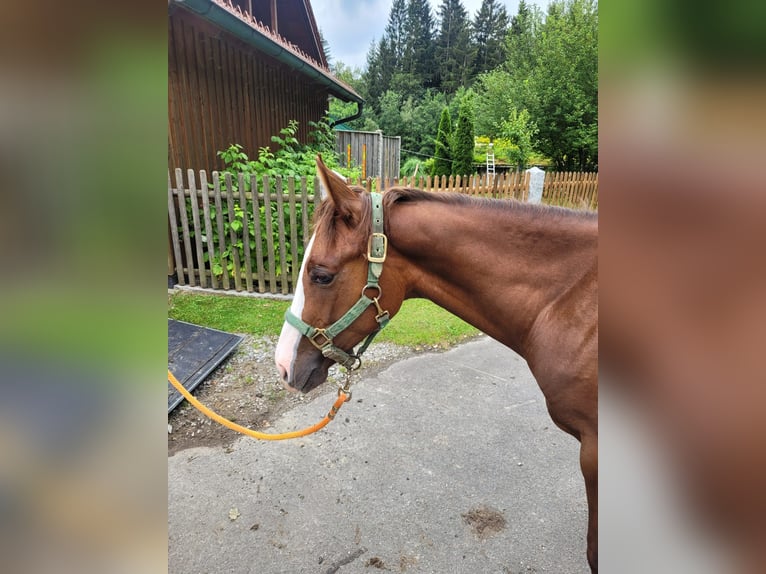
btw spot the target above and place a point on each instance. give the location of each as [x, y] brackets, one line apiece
[359, 106]
[218, 15]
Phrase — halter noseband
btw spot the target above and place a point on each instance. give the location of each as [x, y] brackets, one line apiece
[377, 247]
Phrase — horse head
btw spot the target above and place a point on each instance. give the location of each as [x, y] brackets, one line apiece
[336, 304]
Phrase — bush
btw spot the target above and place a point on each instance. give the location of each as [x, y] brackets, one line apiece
[291, 159]
[409, 166]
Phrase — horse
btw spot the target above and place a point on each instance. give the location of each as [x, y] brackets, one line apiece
[526, 275]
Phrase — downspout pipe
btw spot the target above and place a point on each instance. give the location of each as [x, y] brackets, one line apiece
[359, 107]
[222, 18]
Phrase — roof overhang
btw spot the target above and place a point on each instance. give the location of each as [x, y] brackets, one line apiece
[241, 25]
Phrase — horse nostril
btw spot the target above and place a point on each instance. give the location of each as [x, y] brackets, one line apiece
[282, 373]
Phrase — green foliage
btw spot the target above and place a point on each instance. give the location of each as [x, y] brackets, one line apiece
[403, 59]
[566, 85]
[545, 64]
[419, 49]
[554, 66]
[390, 116]
[521, 41]
[489, 29]
[396, 30]
[495, 95]
[462, 140]
[340, 109]
[503, 149]
[290, 159]
[519, 130]
[442, 164]
[414, 120]
[454, 50]
[409, 166]
[423, 122]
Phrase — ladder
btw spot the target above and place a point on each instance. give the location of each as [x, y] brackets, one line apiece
[490, 160]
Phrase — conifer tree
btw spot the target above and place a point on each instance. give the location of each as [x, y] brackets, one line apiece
[489, 29]
[443, 147]
[521, 40]
[454, 49]
[379, 71]
[419, 45]
[396, 32]
[462, 141]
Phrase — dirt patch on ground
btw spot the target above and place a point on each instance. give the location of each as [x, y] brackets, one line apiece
[485, 521]
[246, 389]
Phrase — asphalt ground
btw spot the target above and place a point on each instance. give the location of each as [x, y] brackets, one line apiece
[442, 463]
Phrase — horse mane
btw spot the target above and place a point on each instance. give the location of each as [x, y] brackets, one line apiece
[397, 195]
[327, 218]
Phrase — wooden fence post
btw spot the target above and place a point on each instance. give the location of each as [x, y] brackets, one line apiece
[380, 155]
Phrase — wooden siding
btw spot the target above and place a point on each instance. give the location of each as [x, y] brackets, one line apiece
[370, 150]
[221, 91]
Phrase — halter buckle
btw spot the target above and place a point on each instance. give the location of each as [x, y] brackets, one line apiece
[381, 258]
[314, 338]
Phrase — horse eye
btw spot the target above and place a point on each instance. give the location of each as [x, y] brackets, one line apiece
[321, 277]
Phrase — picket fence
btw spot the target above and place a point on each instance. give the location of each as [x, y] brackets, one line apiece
[215, 240]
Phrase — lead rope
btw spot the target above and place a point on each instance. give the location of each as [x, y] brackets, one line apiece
[344, 395]
[377, 248]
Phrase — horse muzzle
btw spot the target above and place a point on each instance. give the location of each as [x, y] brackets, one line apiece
[306, 375]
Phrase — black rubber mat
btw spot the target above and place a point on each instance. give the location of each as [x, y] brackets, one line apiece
[193, 353]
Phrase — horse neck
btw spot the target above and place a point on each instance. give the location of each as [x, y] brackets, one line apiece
[497, 269]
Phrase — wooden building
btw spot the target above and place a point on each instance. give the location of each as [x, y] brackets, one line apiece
[238, 72]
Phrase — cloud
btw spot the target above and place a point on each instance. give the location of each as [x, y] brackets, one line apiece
[349, 26]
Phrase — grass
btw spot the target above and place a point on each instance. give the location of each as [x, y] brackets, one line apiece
[419, 322]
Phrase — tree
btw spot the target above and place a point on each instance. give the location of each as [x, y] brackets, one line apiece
[340, 109]
[419, 46]
[390, 116]
[545, 92]
[462, 141]
[423, 121]
[519, 130]
[325, 47]
[403, 59]
[495, 95]
[379, 71]
[443, 146]
[489, 29]
[454, 49]
[395, 32]
[565, 85]
[371, 90]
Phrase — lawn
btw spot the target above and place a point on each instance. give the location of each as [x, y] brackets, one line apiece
[419, 322]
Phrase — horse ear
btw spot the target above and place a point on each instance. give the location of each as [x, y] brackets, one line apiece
[335, 189]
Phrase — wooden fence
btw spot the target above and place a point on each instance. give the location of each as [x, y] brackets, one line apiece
[216, 241]
[376, 154]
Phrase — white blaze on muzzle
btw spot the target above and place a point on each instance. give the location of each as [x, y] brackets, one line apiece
[289, 338]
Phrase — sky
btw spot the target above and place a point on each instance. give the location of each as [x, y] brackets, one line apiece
[349, 26]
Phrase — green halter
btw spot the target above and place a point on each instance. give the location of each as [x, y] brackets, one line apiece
[377, 246]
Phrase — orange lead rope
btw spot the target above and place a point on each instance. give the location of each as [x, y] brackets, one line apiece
[343, 396]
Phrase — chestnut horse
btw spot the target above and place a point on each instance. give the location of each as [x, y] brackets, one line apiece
[525, 275]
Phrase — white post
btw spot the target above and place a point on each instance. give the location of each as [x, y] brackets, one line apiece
[536, 180]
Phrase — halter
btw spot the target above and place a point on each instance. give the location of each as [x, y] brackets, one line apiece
[322, 339]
